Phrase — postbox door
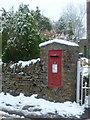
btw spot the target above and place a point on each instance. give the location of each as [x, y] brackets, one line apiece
[54, 68]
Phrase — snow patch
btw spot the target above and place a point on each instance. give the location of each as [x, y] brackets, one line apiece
[39, 106]
[0, 61]
[25, 63]
[5, 115]
[60, 41]
[84, 66]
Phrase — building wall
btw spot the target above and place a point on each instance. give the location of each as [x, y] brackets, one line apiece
[88, 27]
[82, 45]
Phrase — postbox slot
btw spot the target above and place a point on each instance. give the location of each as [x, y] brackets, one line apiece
[54, 56]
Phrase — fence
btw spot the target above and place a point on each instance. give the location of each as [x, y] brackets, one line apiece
[83, 83]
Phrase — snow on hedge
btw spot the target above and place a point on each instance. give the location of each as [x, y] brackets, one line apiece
[39, 106]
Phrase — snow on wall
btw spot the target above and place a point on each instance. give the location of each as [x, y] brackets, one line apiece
[25, 63]
[60, 41]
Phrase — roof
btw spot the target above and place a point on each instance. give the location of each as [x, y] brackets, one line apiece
[59, 41]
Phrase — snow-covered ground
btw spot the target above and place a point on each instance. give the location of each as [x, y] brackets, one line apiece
[21, 106]
[26, 106]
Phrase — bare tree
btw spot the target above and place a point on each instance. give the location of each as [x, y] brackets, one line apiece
[71, 22]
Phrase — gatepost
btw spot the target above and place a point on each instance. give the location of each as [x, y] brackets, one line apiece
[59, 58]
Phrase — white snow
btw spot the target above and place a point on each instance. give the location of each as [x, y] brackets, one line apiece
[85, 71]
[83, 61]
[0, 61]
[25, 63]
[84, 66]
[86, 101]
[60, 41]
[11, 103]
[5, 114]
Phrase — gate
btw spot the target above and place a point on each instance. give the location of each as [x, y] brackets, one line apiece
[83, 83]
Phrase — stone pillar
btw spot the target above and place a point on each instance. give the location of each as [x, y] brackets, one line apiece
[68, 66]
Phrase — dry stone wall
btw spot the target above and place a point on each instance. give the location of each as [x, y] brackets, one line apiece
[33, 79]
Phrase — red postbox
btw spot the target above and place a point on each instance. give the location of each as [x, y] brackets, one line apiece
[54, 68]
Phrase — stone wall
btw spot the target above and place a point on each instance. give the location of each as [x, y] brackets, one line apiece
[33, 79]
[25, 80]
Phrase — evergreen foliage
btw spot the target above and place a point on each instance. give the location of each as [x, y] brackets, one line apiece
[20, 35]
[43, 22]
